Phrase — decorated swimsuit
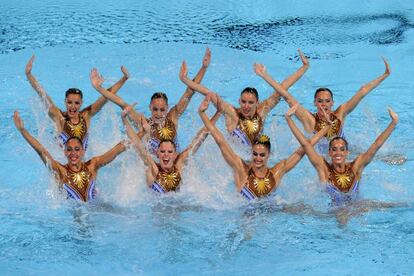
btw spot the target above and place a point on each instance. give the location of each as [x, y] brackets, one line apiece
[79, 185]
[167, 181]
[161, 132]
[342, 187]
[248, 129]
[256, 186]
[336, 130]
[70, 129]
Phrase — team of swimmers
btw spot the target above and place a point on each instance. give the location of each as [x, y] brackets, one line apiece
[155, 139]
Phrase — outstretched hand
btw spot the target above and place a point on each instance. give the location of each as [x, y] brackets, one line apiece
[29, 65]
[18, 122]
[291, 110]
[96, 78]
[303, 58]
[207, 58]
[393, 115]
[204, 104]
[259, 69]
[387, 67]
[125, 72]
[183, 71]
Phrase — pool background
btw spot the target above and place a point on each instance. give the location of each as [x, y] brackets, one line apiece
[205, 228]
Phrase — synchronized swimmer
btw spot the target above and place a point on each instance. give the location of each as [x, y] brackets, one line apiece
[156, 139]
[74, 122]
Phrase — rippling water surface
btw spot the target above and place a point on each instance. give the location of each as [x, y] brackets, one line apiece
[205, 228]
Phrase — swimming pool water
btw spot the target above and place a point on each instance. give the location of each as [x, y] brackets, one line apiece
[205, 228]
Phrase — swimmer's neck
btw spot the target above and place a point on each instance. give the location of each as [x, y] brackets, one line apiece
[321, 114]
[75, 119]
[75, 167]
[340, 168]
[260, 172]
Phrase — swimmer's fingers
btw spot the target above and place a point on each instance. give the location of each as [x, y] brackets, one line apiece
[387, 67]
[303, 58]
[292, 110]
[259, 69]
[125, 72]
[327, 117]
[207, 58]
[393, 115]
[18, 122]
[29, 65]
[183, 71]
[96, 79]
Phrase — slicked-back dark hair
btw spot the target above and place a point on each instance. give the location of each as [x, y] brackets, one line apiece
[320, 89]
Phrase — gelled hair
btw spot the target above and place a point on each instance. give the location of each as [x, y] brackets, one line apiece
[338, 138]
[74, 138]
[168, 141]
[263, 140]
[320, 89]
[251, 90]
[75, 91]
[159, 95]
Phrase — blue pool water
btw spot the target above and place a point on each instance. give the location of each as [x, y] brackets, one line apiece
[205, 228]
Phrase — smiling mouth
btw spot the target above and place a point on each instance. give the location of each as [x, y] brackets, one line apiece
[73, 158]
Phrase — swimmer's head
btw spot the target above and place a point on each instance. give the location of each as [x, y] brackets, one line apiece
[73, 101]
[323, 100]
[167, 154]
[74, 151]
[338, 150]
[261, 151]
[159, 106]
[249, 101]
[74, 91]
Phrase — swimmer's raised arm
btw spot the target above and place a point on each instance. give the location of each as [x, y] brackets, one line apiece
[182, 104]
[348, 106]
[53, 110]
[229, 111]
[197, 141]
[229, 155]
[98, 104]
[292, 160]
[268, 104]
[97, 81]
[35, 144]
[303, 115]
[107, 157]
[152, 170]
[363, 160]
[316, 160]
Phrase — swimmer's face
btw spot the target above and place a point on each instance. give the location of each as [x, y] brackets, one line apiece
[167, 154]
[338, 151]
[323, 101]
[159, 109]
[248, 104]
[260, 155]
[74, 151]
[73, 103]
